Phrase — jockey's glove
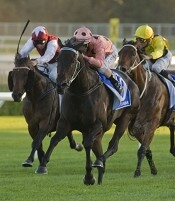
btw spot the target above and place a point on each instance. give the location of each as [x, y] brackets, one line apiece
[34, 62]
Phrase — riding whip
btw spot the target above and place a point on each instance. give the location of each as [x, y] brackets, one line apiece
[22, 34]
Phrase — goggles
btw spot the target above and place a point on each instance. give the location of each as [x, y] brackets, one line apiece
[39, 42]
[141, 40]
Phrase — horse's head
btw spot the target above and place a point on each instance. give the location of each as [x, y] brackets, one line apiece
[19, 61]
[68, 64]
[21, 78]
[129, 58]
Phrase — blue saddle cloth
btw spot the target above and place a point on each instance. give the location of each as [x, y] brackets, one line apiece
[171, 90]
[120, 100]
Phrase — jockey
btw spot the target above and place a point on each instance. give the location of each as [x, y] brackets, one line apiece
[48, 48]
[155, 47]
[99, 52]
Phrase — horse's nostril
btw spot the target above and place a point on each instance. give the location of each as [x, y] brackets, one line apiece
[17, 96]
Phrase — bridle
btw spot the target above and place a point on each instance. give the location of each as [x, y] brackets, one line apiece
[135, 65]
[77, 70]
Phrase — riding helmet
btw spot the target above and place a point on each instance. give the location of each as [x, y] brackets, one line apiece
[83, 34]
[144, 31]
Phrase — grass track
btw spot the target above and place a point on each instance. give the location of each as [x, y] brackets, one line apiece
[66, 170]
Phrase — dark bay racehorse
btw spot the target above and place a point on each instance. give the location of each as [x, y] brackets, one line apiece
[87, 107]
[41, 104]
[154, 111]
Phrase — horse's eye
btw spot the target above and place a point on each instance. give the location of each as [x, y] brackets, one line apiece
[73, 61]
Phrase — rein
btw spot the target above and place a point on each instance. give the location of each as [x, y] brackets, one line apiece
[135, 65]
[135, 62]
[77, 68]
[76, 72]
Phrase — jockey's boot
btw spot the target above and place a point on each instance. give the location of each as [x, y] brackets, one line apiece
[116, 84]
[165, 74]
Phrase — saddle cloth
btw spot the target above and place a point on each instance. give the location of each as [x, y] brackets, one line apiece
[171, 90]
[120, 100]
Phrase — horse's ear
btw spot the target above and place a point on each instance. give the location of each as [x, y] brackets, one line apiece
[124, 42]
[60, 43]
[131, 42]
[30, 80]
[10, 81]
[71, 42]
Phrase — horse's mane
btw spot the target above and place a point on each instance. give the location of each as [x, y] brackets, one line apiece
[73, 43]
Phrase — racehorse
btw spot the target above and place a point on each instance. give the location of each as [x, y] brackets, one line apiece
[40, 106]
[87, 107]
[154, 110]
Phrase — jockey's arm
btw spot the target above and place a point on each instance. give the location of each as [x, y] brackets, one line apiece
[99, 58]
[27, 48]
[49, 53]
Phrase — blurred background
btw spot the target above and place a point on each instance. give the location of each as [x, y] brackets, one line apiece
[116, 19]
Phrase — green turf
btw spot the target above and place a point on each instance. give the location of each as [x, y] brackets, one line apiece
[64, 181]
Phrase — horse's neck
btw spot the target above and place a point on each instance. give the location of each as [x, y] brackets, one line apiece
[138, 75]
[86, 80]
[40, 87]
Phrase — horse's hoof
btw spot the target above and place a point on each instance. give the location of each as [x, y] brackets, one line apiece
[137, 173]
[154, 172]
[79, 147]
[27, 163]
[41, 170]
[98, 163]
[89, 181]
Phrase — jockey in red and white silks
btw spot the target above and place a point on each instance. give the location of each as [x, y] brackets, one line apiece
[48, 48]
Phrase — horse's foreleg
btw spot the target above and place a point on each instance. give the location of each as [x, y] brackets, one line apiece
[151, 162]
[140, 155]
[89, 179]
[42, 168]
[36, 145]
[98, 151]
[172, 146]
[112, 148]
[118, 133]
[92, 140]
[53, 142]
[73, 144]
[145, 140]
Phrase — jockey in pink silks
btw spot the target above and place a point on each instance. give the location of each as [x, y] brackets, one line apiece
[99, 52]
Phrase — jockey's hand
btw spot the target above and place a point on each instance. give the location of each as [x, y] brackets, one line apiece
[147, 57]
[86, 57]
[34, 62]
